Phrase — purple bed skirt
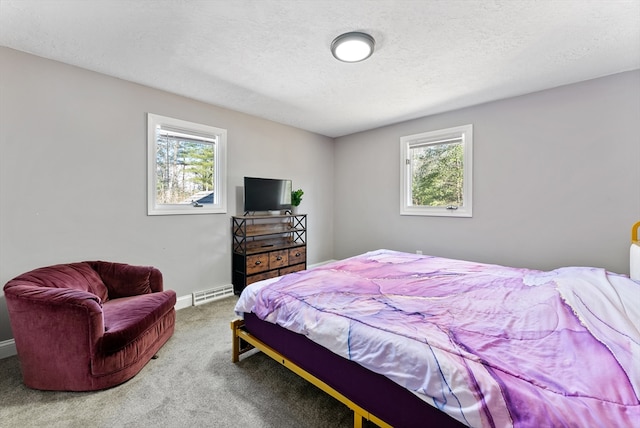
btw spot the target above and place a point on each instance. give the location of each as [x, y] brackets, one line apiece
[379, 395]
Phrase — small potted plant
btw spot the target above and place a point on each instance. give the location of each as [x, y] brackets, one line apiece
[296, 198]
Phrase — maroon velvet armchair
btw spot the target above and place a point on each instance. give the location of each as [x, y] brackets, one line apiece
[88, 325]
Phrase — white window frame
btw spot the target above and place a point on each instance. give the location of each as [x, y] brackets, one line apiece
[219, 135]
[464, 133]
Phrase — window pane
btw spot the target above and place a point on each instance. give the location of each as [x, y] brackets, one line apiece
[437, 174]
[185, 170]
[186, 167]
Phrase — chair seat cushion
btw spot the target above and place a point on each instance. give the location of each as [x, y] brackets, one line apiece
[126, 318]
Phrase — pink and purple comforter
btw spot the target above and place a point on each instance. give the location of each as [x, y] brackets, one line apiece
[491, 346]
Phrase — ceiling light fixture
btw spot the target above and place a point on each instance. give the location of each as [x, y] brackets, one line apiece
[352, 47]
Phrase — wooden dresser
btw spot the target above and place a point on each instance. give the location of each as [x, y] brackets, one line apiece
[267, 246]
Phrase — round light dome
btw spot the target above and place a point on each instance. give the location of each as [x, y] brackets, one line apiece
[352, 47]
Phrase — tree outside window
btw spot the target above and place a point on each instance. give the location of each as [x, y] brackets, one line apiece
[438, 178]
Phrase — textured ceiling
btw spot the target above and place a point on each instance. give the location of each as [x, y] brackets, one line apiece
[271, 58]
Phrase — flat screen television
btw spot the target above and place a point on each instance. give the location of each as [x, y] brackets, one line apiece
[266, 194]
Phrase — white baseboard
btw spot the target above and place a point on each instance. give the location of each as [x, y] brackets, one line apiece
[187, 301]
[7, 348]
[315, 265]
[184, 302]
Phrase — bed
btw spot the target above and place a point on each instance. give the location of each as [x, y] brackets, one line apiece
[410, 340]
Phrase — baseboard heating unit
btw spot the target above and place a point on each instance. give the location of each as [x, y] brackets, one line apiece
[206, 296]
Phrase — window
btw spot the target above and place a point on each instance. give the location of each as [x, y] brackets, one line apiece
[437, 173]
[186, 167]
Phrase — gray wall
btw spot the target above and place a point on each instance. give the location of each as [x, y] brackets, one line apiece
[556, 181]
[73, 176]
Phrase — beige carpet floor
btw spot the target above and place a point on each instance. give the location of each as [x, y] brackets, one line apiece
[193, 383]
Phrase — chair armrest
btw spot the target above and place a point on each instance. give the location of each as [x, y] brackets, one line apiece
[41, 316]
[27, 292]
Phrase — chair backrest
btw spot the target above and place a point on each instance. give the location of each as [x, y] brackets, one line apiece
[124, 280]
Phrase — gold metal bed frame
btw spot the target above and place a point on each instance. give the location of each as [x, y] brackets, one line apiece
[243, 341]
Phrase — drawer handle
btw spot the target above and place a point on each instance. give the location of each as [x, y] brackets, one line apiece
[298, 254]
[279, 258]
[258, 262]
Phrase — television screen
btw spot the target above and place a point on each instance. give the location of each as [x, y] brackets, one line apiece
[266, 194]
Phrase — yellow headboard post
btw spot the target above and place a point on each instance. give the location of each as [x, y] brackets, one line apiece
[634, 253]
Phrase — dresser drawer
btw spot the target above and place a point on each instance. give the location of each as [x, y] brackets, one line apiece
[257, 263]
[278, 259]
[294, 268]
[297, 255]
[259, 277]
